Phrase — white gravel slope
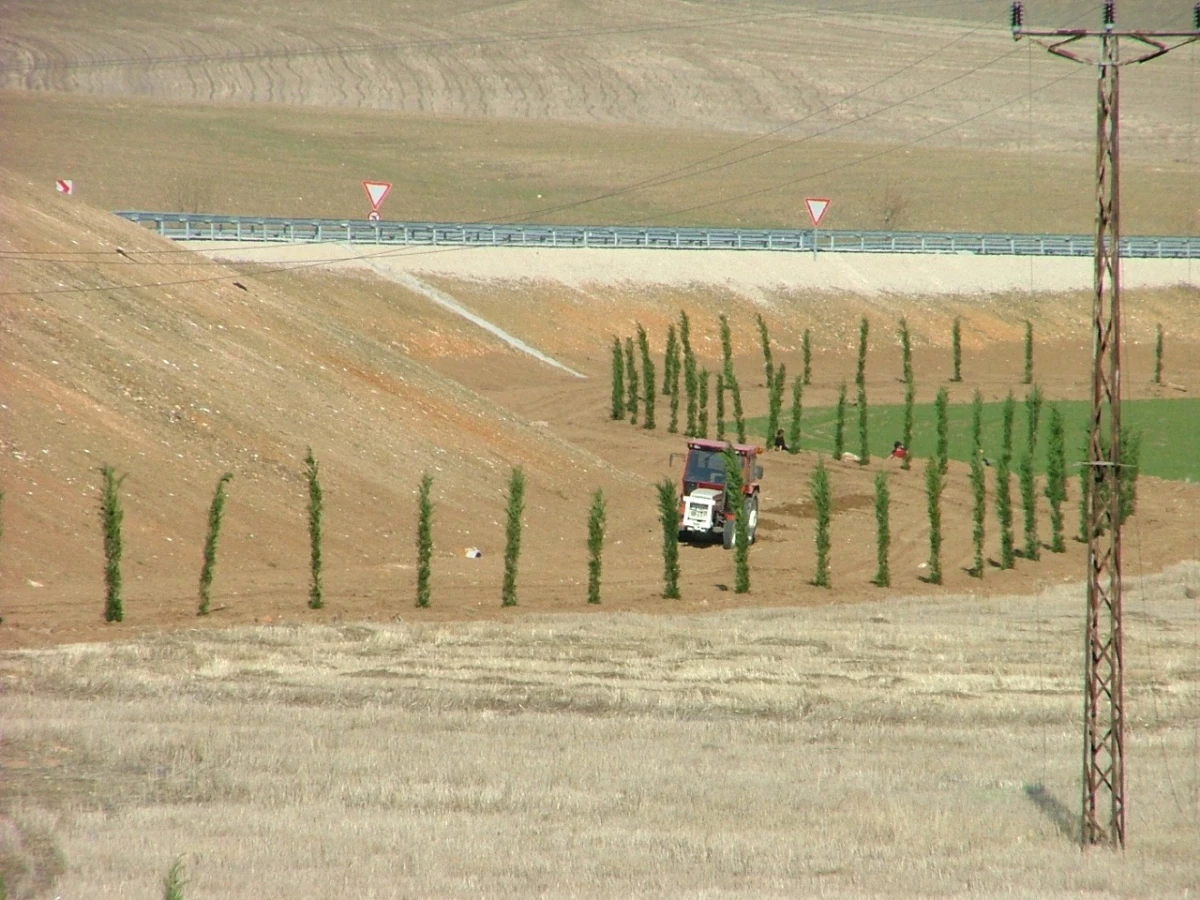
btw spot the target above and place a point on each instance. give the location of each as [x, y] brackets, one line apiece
[747, 272]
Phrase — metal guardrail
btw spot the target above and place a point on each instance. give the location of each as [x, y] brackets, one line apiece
[200, 227]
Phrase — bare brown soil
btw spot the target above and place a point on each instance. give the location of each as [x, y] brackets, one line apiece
[175, 385]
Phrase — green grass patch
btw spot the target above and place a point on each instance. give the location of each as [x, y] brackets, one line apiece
[1170, 432]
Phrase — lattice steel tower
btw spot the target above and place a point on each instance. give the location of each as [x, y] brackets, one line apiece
[1104, 694]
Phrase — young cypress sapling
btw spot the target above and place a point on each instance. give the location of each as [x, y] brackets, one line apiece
[864, 449]
[720, 406]
[1158, 353]
[739, 419]
[806, 351]
[673, 424]
[689, 371]
[424, 541]
[942, 412]
[768, 361]
[512, 534]
[933, 496]
[978, 484]
[797, 411]
[839, 424]
[111, 517]
[883, 535]
[1056, 479]
[216, 512]
[1027, 484]
[775, 402]
[631, 380]
[618, 380]
[595, 545]
[736, 499]
[670, 361]
[910, 391]
[823, 501]
[702, 404]
[864, 329]
[1004, 512]
[316, 505]
[956, 349]
[1028, 352]
[668, 514]
[649, 386]
[1008, 414]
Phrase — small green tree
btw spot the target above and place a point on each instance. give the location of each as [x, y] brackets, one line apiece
[839, 424]
[933, 499]
[956, 349]
[941, 408]
[618, 380]
[735, 498]
[1004, 512]
[1158, 351]
[1086, 480]
[906, 351]
[823, 501]
[726, 348]
[668, 513]
[1008, 414]
[883, 535]
[175, 881]
[702, 404]
[1033, 417]
[739, 418]
[910, 397]
[806, 351]
[649, 387]
[670, 362]
[864, 449]
[1028, 352]
[689, 372]
[424, 541]
[797, 412]
[631, 381]
[775, 401]
[512, 533]
[1056, 479]
[216, 512]
[934, 504]
[978, 484]
[768, 360]
[112, 516]
[720, 406]
[315, 507]
[1027, 484]
[595, 544]
[910, 391]
[864, 330]
[1131, 457]
[673, 381]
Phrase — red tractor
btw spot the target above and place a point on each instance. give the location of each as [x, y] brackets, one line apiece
[703, 510]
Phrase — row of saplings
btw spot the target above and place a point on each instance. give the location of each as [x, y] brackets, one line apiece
[680, 360]
[631, 389]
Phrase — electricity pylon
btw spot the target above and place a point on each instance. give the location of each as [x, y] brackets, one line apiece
[1104, 692]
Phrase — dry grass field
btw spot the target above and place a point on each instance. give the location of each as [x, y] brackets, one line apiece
[795, 741]
[918, 747]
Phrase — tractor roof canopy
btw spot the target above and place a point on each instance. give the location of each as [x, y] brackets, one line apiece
[704, 444]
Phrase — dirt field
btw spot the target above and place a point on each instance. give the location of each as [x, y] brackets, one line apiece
[852, 742]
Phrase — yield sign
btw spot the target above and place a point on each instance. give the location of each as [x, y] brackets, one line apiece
[377, 191]
[817, 207]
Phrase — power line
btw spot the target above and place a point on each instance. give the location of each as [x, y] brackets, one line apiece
[690, 170]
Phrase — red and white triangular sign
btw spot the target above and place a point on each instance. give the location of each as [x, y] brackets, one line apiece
[817, 207]
[377, 191]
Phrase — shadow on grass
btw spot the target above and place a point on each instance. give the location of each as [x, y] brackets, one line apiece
[1064, 820]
